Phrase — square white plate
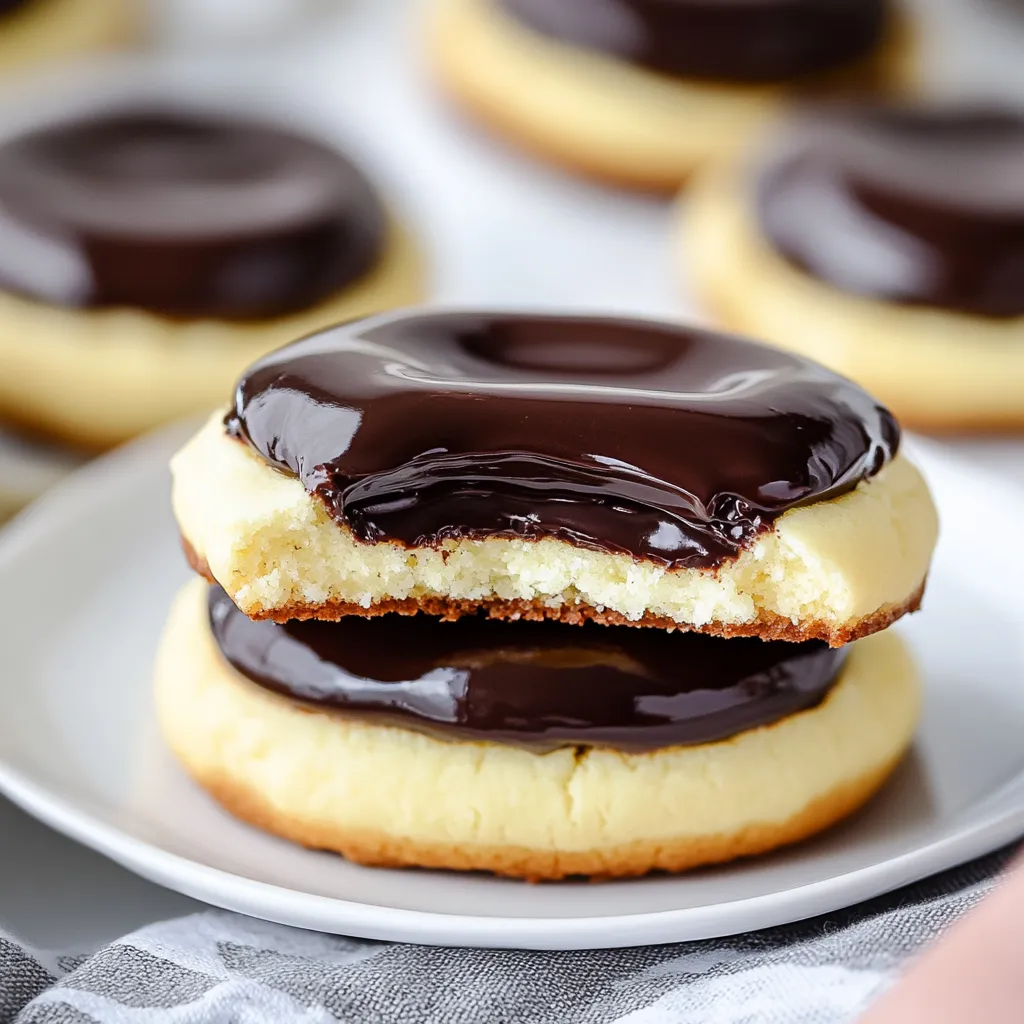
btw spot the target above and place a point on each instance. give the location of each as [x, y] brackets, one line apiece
[89, 573]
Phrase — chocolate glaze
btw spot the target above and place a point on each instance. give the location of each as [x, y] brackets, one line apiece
[739, 40]
[537, 684]
[7, 6]
[924, 207]
[667, 443]
[184, 214]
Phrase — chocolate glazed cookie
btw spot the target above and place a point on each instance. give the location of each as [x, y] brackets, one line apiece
[644, 93]
[148, 253]
[909, 206]
[746, 41]
[470, 789]
[886, 241]
[186, 215]
[666, 443]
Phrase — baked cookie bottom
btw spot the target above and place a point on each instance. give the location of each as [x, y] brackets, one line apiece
[936, 369]
[94, 378]
[389, 796]
[604, 117]
[49, 31]
[834, 570]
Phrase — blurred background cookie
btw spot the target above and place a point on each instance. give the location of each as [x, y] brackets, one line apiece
[34, 32]
[149, 251]
[641, 92]
[886, 242]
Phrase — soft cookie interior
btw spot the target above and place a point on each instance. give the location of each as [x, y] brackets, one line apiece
[834, 570]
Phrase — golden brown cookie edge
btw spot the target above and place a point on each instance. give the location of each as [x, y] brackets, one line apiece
[767, 626]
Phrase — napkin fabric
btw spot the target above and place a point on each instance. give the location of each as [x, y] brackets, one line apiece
[222, 968]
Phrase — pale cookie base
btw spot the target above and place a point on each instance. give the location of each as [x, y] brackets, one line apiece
[95, 378]
[935, 369]
[833, 570]
[50, 31]
[604, 116]
[390, 796]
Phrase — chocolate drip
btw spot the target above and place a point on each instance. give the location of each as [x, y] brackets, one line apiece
[536, 684]
[183, 214]
[741, 41]
[667, 443]
[923, 207]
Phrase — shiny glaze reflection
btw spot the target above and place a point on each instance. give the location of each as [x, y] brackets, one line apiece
[741, 40]
[924, 207]
[537, 684]
[183, 214]
[664, 442]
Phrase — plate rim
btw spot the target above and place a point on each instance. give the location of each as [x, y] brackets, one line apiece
[1000, 820]
[332, 914]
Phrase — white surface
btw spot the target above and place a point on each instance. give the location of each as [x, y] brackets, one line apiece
[79, 748]
[546, 240]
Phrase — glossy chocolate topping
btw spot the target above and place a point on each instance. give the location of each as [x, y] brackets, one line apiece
[923, 207]
[183, 214]
[541, 684]
[735, 40]
[664, 442]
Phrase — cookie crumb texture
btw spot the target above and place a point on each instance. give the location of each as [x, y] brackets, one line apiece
[389, 796]
[835, 570]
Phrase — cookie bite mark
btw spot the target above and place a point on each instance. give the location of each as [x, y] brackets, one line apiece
[595, 508]
[672, 445]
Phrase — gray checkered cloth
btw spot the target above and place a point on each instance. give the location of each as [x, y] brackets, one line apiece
[221, 968]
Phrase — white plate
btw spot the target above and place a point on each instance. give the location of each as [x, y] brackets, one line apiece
[89, 573]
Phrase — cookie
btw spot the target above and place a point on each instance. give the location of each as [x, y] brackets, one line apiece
[885, 242]
[641, 93]
[557, 467]
[151, 253]
[34, 32]
[549, 752]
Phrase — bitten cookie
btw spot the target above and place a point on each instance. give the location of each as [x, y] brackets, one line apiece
[886, 242]
[552, 751]
[557, 467]
[148, 254]
[642, 92]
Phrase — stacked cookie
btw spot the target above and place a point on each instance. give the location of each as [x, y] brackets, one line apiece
[543, 595]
